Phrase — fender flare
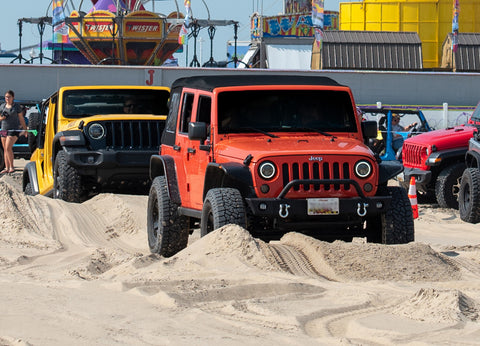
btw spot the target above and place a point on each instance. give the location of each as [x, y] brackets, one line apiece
[70, 138]
[231, 174]
[164, 165]
[30, 175]
[388, 170]
[472, 159]
[456, 154]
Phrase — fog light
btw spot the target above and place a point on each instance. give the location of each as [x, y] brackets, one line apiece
[265, 188]
[262, 206]
[90, 159]
[379, 205]
[368, 187]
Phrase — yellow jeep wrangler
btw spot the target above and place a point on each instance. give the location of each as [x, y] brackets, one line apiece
[91, 139]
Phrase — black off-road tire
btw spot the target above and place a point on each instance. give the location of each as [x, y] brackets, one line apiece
[469, 196]
[34, 122]
[222, 206]
[167, 231]
[447, 185]
[28, 189]
[67, 183]
[397, 226]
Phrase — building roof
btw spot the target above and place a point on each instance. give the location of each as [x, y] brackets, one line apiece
[371, 50]
[467, 56]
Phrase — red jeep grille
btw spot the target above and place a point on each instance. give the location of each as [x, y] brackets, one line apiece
[412, 154]
[316, 170]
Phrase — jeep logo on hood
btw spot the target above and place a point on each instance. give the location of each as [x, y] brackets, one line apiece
[315, 158]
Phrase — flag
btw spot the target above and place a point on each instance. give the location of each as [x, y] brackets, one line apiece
[60, 29]
[317, 21]
[456, 11]
[183, 35]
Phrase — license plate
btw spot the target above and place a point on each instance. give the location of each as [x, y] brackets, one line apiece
[322, 206]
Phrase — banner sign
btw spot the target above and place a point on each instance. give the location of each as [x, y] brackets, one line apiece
[295, 25]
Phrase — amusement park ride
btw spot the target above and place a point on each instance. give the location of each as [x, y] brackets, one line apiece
[122, 32]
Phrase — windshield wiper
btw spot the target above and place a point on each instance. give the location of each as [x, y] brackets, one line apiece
[259, 131]
[317, 131]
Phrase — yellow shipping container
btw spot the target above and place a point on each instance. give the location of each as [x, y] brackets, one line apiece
[431, 19]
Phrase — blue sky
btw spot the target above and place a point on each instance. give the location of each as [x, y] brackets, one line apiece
[240, 11]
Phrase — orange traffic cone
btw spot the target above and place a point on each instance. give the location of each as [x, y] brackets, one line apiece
[412, 196]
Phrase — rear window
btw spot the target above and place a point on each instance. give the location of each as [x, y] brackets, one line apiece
[84, 103]
[285, 111]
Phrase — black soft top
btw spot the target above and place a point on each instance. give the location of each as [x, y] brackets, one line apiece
[210, 82]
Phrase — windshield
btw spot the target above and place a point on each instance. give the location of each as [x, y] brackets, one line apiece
[285, 111]
[82, 103]
[476, 114]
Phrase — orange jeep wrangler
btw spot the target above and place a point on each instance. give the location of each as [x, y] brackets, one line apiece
[272, 154]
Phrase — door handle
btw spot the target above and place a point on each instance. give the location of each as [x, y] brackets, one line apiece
[176, 147]
[191, 150]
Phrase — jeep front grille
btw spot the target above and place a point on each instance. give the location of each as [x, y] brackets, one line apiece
[412, 154]
[316, 170]
[133, 134]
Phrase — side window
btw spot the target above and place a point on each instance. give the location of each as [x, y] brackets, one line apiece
[204, 108]
[168, 136]
[187, 106]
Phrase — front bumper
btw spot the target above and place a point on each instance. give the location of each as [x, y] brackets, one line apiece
[106, 164]
[422, 178]
[289, 213]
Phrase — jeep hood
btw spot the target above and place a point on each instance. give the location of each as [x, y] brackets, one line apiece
[454, 137]
[259, 147]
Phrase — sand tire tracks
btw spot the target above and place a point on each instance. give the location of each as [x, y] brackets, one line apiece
[292, 260]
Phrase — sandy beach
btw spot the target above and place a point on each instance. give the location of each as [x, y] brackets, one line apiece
[82, 274]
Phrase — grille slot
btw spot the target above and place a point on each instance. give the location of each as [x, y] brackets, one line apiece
[316, 170]
[133, 134]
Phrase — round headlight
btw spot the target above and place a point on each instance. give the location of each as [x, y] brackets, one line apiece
[363, 169]
[96, 131]
[267, 170]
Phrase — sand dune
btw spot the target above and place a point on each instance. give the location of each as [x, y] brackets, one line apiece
[82, 274]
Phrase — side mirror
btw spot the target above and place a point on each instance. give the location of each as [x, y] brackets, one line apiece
[369, 129]
[197, 131]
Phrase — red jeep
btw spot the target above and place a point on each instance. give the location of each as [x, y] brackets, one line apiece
[437, 160]
[272, 154]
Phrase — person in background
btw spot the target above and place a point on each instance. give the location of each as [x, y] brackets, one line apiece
[12, 122]
[130, 106]
[396, 127]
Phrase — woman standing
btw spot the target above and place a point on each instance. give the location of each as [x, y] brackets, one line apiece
[12, 119]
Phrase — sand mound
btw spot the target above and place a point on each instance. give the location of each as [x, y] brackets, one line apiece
[122, 214]
[99, 262]
[228, 249]
[366, 261]
[439, 306]
[229, 243]
[24, 222]
[233, 249]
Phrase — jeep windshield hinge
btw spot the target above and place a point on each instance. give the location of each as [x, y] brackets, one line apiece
[248, 159]
[205, 147]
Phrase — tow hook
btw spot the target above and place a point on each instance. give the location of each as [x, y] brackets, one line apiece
[283, 211]
[361, 212]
